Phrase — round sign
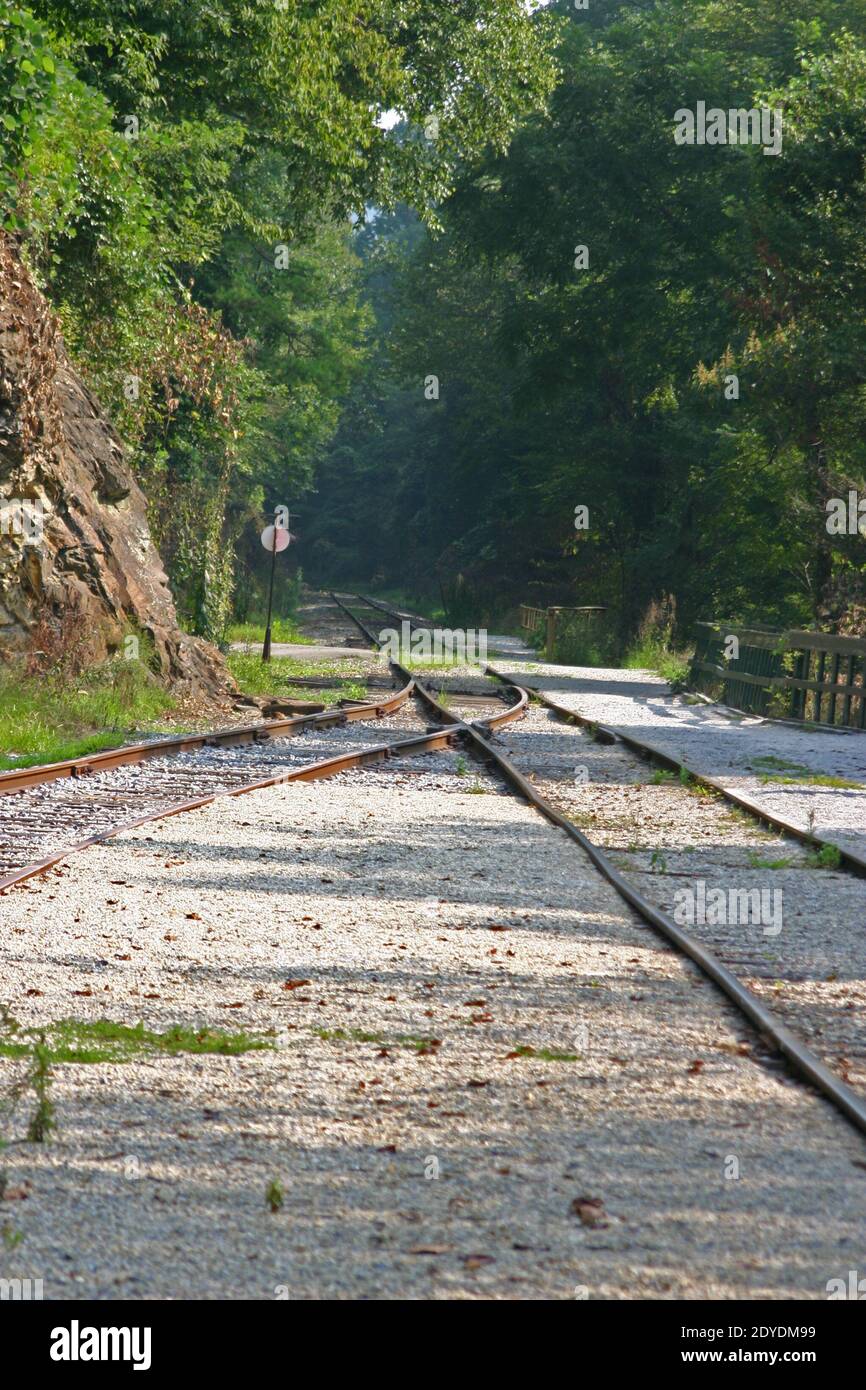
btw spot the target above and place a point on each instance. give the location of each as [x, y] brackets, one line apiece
[282, 540]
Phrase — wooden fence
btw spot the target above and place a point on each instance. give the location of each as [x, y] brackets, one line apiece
[810, 676]
[534, 618]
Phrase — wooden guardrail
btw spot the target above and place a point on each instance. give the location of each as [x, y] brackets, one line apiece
[534, 618]
[809, 676]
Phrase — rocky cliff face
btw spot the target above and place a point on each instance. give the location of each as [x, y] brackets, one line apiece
[74, 540]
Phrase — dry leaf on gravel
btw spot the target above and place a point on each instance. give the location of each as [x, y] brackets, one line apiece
[591, 1212]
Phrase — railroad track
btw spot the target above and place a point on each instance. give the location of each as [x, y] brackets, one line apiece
[47, 813]
[719, 954]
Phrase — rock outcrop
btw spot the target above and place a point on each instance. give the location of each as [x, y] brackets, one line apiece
[75, 546]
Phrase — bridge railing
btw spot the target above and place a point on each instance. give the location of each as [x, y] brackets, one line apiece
[552, 618]
[814, 677]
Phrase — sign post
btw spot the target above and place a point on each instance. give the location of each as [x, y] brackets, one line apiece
[274, 538]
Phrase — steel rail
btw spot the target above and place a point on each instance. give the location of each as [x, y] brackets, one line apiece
[427, 697]
[414, 618]
[801, 1058]
[797, 1054]
[20, 779]
[370, 636]
[605, 734]
[428, 742]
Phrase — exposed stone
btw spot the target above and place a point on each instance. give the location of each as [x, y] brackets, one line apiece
[75, 545]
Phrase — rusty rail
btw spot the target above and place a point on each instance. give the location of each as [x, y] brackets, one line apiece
[20, 779]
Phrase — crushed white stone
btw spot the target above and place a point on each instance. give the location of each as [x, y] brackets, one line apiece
[418, 1156]
[732, 749]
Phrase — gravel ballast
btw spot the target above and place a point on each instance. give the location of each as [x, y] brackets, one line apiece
[748, 755]
[489, 1079]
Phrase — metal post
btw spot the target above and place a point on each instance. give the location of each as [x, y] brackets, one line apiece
[266, 649]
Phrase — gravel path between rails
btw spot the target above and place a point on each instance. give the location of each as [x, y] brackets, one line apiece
[800, 944]
[743, 753]
[387, 890]
[48, 818]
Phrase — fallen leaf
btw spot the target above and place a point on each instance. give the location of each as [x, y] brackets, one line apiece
[430, 1249]
[294, 984]
[18, 1194]
[591, 1211]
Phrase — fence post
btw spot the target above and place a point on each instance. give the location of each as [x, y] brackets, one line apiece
[551, 632]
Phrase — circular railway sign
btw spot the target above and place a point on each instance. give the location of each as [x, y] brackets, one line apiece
[282, 539]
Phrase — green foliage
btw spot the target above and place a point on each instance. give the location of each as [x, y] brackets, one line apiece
[81, 1041]
[49, 719]
[605, 387]
[181, 179]
[282, 630]
[30, 1083]
[274, 677]
[274, 1195]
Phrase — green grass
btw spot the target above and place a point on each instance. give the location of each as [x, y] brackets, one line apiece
[651, 654]
[47, 720]
[282, 630]
[827, 857]
[274, 677]
[415, 663]
[771, 763]
[349, 690]
[785, 773]
[79, 1041]
[275, 1195]
[756, 862]
[543, 1054]
[817, 779]
[358, 1035]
